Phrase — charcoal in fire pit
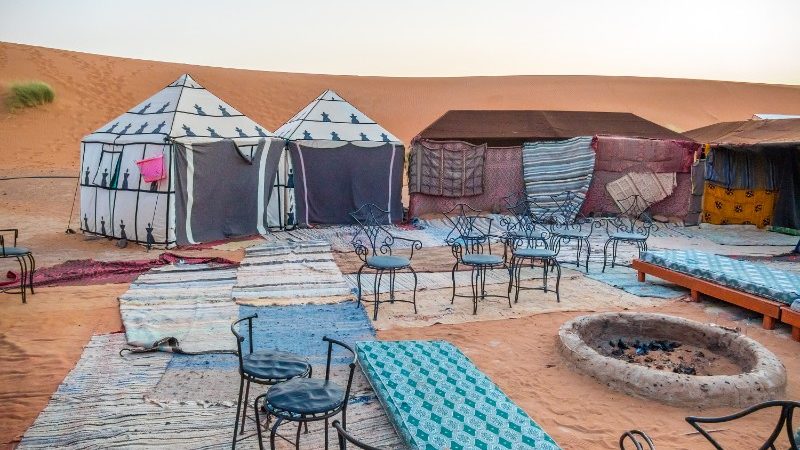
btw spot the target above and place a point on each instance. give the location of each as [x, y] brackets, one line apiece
[684, 369]
[621, 345]
[641, 349]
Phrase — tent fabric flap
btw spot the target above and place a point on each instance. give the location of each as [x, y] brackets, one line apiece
[331, 182]
[219, 193]
[449, 169]
[551, 168]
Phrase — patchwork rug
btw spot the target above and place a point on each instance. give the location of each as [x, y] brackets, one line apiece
[108, 401]
[438, 399]
[189, 302]
[625, 278]
[290, 272]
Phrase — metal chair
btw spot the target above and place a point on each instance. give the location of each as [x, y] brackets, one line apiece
[24, 256]
[569, 225]
[373, 244]
[528, 239]
[785, 420]
[266, 367]
[472, 247]
[345, 437]
[632, 226]
[639, 440]
[304, 400]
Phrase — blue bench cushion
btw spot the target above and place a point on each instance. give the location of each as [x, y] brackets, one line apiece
[388, 262]
[628, 236]
[437, 399]
[753, 278]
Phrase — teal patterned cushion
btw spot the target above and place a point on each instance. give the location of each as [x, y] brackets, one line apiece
[753, 278]
[438, 399]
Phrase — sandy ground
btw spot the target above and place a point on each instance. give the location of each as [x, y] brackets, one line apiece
[41, 341]
[520, 356]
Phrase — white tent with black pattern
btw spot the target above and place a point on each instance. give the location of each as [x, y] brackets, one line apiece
[129, 168]
[339, 159]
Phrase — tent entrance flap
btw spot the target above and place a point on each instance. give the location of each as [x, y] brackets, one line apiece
[219, 194]
[334, 179]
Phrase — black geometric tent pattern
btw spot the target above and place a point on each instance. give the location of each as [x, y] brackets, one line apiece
[182, 110]
[330, 117]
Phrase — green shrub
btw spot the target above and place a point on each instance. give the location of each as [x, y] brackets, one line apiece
[30, 94]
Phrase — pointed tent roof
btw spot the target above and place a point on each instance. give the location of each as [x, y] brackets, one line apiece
[330, 117]
[183, 111]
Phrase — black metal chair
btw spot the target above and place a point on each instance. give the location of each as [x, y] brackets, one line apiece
[528, 240]
[304, 400]
[569, 225]
[632, 226]
[473, 247]
[266, 367]
[24, 256]
[373, 244]
[785, 420]
[639, 439]
[345, 437]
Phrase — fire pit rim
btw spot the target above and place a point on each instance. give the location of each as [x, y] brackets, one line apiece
[765, 380]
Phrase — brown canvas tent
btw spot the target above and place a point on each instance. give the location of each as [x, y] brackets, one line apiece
[490, 147]
[752, 172]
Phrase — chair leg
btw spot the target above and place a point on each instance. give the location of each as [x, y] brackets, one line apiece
[614, 253]
[510, 278]
[453, 277]
[391, 285]
[546, 264]
[297, 438]
[326, 433]
[414, 292]
[33, 268]
[358, 278]
[558, 280]
[23, 276]
[244, 408]
[272, 434]
[474, 284]
[605, 254]
[518, 276]
[588, 253]
[578, 254]
[238, 410]
[376, 292]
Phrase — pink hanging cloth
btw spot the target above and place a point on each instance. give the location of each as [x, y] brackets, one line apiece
[152, 169]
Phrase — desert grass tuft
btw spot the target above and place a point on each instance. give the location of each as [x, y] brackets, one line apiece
[29, 94]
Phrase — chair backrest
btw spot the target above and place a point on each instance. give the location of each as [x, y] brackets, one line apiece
[373, 236]
[785, 420]
[528, 225]
[345, 437]
[639, 439]
[352, 364]
[466, 236]
[14, 232]
[240, 339]
[634, 216]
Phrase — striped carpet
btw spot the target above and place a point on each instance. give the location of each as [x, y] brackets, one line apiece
[290, 272]
[551, 168]
[189, 302]
[108, 401]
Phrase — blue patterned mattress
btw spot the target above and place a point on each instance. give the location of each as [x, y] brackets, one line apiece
[438, 399]
[753, 278]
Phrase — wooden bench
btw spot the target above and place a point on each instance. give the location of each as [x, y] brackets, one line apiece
[791, 317]
[771, 310]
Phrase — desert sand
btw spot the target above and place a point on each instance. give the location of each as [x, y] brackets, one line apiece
[41, 341]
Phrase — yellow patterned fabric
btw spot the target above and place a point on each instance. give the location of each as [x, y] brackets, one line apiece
[723, 206]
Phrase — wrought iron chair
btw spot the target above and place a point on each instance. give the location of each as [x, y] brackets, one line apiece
[345, 437]
[266, 367]
[24, 256]
[528, 240]
[785, 420]
[304, 400]
[639, 439]
[374, 244]
[632, 226]
[473, 247]
[569, 225]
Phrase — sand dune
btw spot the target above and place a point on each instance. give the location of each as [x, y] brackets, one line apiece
[93, 89]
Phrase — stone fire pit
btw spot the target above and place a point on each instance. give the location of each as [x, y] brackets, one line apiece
[761, 376]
